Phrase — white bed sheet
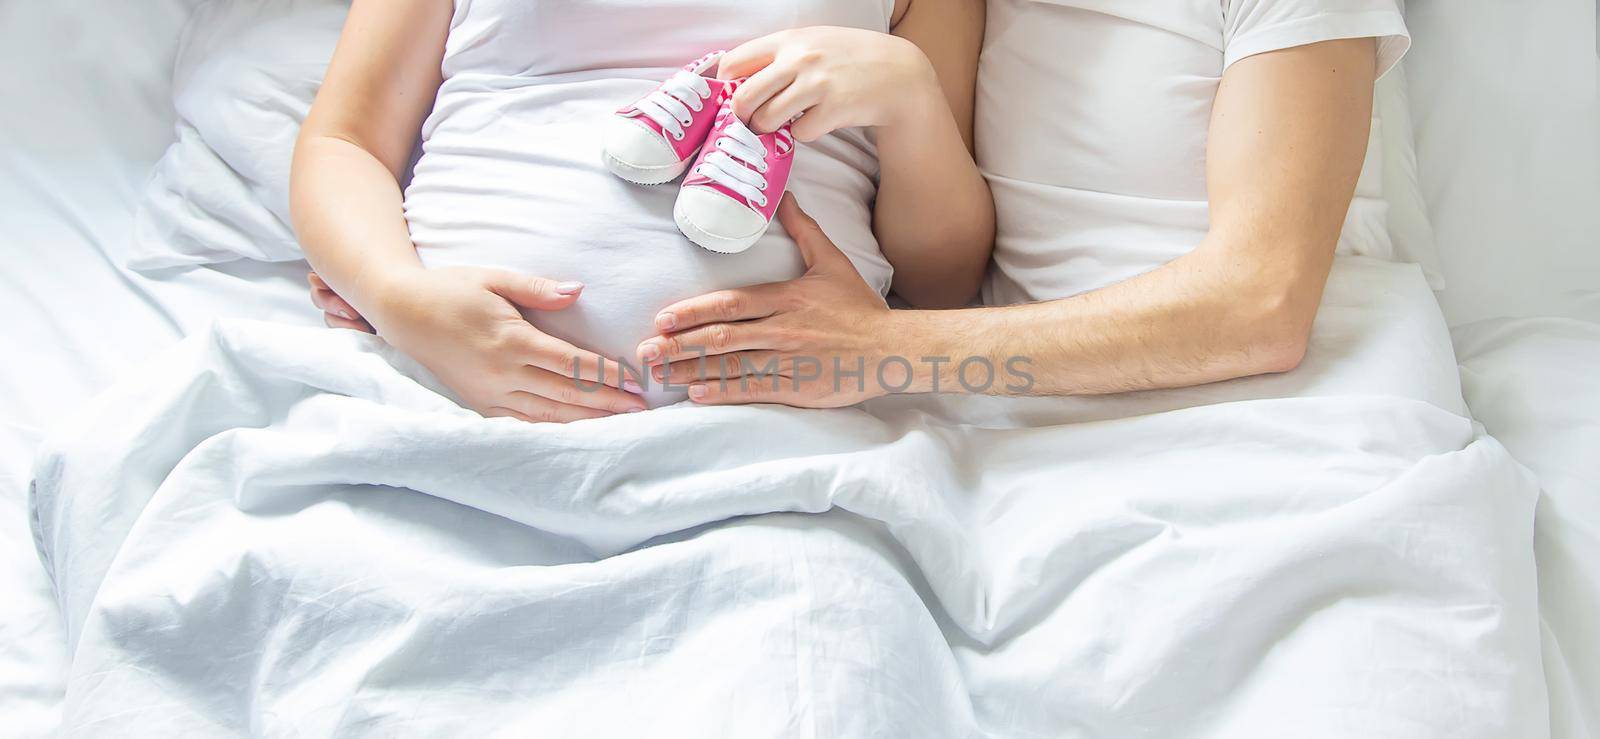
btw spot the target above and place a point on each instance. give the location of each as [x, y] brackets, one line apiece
[1531, 383]
[71, 318]
[1506, 100]
[76, 321]
[95, 77]
[1223, 561]
[1174, 667]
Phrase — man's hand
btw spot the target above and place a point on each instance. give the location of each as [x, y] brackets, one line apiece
[814, 342]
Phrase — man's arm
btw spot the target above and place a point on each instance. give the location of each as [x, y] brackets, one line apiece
[1288, 137]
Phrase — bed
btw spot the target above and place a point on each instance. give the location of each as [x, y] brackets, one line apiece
[80, 322]
[1521, 245]
[72, 181]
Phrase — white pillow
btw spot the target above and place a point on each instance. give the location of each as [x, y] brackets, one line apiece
[245, 76]
[1506, 97]
[1392, 162]
[1410, 231]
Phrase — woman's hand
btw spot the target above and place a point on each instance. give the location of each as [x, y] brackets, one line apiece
[462, 323]
[837, 77]
[336, 311]
[821, 341]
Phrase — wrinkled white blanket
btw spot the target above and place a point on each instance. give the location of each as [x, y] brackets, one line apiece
[279, 531]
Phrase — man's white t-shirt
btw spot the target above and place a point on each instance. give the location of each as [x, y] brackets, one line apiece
[1092, 121]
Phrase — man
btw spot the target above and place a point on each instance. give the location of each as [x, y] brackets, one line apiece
[1278, 143]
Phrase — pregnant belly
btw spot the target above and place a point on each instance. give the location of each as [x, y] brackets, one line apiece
[510, 177]
[573, 221]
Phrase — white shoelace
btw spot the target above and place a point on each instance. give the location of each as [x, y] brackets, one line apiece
[738, 163]
[673, 105]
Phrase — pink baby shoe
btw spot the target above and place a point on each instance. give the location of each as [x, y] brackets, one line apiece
[732, 192]
[652, 141]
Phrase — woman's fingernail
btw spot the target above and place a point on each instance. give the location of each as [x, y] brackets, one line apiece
[666, 322]
[649, 352]
[569, 288]
[343, 314]
[635, 410]
[698, 392]
[632, 387]
[660, 373]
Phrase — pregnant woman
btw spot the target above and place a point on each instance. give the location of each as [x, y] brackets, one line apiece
[514, 263]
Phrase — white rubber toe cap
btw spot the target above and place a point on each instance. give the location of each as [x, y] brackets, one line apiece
[716, 222]
[638, 154]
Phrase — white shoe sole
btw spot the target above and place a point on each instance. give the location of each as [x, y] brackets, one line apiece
[645, 175]
[713, 242]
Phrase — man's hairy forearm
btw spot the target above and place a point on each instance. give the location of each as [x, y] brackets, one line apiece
[1192, 321]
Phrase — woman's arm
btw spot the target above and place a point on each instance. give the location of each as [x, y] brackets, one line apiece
[934, 217]
[1288, 134]
[355, 143]
[462, 324]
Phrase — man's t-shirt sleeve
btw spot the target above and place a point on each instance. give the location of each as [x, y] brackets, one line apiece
[1258, 26]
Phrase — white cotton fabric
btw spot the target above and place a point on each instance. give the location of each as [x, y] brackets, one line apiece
[97, 125]
[244, 78]
[511, 173]
[1506, 98]
[1532, 384]
[1410, 227]
[285, 531]
[96, 118]
[87, 112]
[1092, 121]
